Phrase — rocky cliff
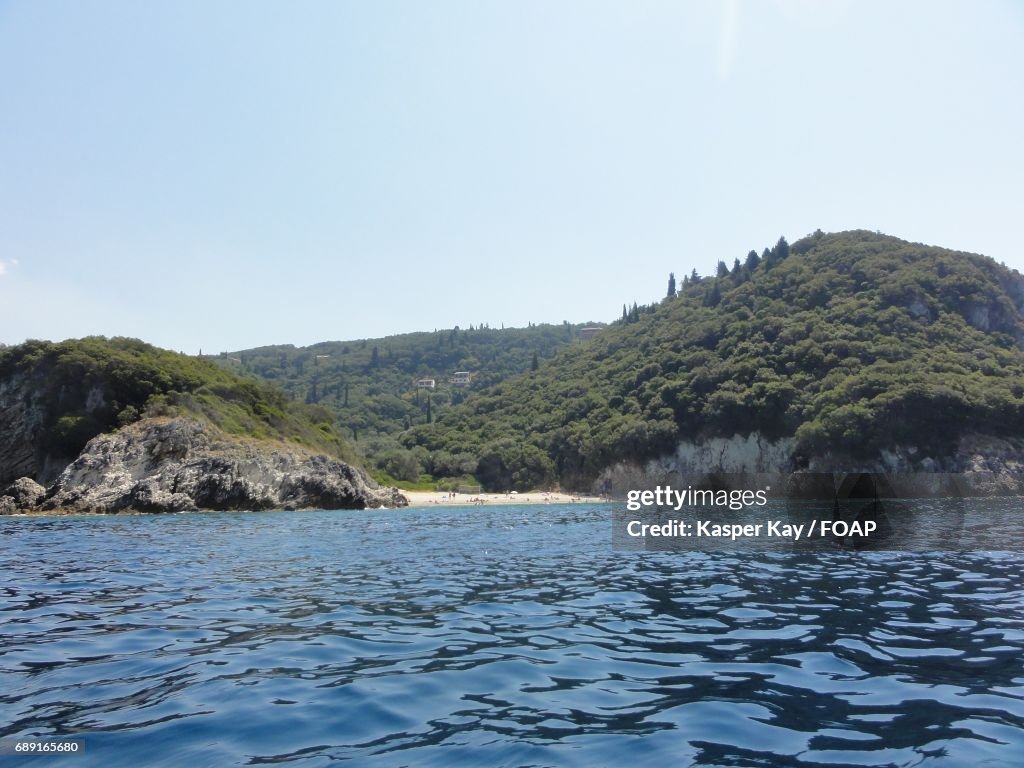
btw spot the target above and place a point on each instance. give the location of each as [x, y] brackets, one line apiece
[23, 416]
[981, 465]
[184, 464]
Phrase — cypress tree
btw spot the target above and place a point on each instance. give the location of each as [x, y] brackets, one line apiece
[781, 249]
[752, 261]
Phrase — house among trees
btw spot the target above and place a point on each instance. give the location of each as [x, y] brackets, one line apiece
[586, 334]
[461, 378]
[426, 384]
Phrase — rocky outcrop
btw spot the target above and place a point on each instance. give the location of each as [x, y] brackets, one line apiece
[21, 495]
[181, 464]
[981, 466]
[25, 493]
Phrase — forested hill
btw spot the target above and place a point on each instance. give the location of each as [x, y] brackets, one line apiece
[849, 343]
[371, 384]
[54, 397]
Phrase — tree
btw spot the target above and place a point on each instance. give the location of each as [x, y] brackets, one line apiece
[713, 296]
[752, 261]
[535, 363]
[723, 270]
[400, 464]
[671, 285]
[737, 268]
[781, 249]
[694, 276]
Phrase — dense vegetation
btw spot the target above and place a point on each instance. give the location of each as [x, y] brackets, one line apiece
[370, 384]
[88, 386]
[850, 343]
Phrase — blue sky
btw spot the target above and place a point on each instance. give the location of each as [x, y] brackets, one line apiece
[221, 175]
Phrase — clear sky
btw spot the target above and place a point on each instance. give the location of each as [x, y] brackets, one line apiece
[221, 175]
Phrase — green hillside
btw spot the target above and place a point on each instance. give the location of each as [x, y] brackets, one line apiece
[62, 394]
[850, 343]
[370, 384]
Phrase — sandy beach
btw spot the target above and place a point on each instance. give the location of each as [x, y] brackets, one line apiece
[443, 498]
[416, 499]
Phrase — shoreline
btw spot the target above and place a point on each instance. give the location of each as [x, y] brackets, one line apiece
[416, 499]
[445, 499]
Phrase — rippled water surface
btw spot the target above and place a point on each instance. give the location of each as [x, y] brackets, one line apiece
[508, 636]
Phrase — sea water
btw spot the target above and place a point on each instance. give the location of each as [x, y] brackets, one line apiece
[511, 636]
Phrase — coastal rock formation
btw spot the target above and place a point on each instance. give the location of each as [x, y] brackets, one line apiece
[749, 461]
[181, 464]
[25, 493]
[982, 465]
